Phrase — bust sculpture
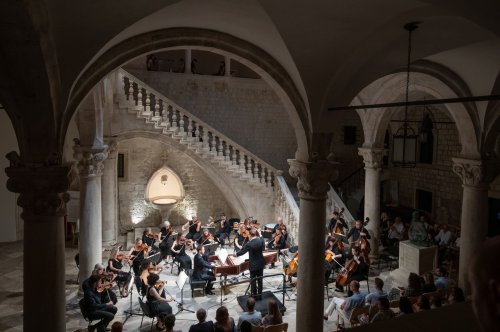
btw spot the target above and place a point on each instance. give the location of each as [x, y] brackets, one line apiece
[417, 232]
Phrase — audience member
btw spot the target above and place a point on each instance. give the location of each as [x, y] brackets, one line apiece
[250, 315]
[203, 325]
[484, 276]
[422, 304]
[442, 282]
[405, 306]
[346, 305]
[169, 322]
[384, 310]
[117, 327]
[273, 316]
[396, 231]
[372, 298]
[428, 285]
[435, 302]
[224, 323]
[456, 295]
[414, 286]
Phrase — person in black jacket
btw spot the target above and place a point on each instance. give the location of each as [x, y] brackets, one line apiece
[255, 247]
[202, 269]
[94, 308]
[225, 229]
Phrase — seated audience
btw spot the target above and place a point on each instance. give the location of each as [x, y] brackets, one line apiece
[428, 285]
[422, 304]
[435, 302]
[345, 306]
[224, 323]
[169, 323]
[456, 295]
[203, 325]
[117, 327]
[250, 315]
[384, 310]
[442, 282]
[414, 287]
[372, 298]
[396, 231]
[273, 316]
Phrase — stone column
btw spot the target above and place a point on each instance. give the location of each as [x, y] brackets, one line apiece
[476, 176]
[43, 205]
[109, 195]
[313, 188]
[227, 63]
[90, 167]
[187, 68]
[373, 167]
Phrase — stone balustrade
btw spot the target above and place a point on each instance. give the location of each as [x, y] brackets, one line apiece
[286, 207]
[179, 124]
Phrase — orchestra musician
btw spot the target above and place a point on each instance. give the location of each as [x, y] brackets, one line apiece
[242, 237]
[203, 269]
[279, 224]
[122, 278]
[359, 273]
[278, 241]
[252, 223]
[334, 255]
[206, 238]
[179, 251]
[357, 233]
[225, 229]
[337, 223]
[255, 247]
[107, 281]
[167, 238]
[96, 308]
[193, 227]
[158, 303]
[150, 238]
[139, 252]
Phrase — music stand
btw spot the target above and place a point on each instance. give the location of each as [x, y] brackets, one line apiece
[181, 281]
[131, 312]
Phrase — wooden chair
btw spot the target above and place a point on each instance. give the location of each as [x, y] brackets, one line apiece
[283, 327]
[146, 311]
[353, 317]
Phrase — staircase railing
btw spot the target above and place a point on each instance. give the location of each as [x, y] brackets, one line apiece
[287, 208]
[175, 120]
[351, 183]
[335, 204]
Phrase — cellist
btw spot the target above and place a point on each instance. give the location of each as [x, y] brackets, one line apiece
[354, 269]
[334, 255]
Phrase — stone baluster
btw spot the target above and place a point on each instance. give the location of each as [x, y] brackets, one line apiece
[205, 144]
[234, 162]
[241, 162]
[248, 166]
[148, 102]
[196, 138]
[313, 179]
[139, 97]
[42, 199]
[189, 133]
[254, 170]
[219, 148]
[476, 175]
[174, 119]
[182, 131]
[226, 153]
[156, 111]
[262, 178]
[130, 90]
[268, 179]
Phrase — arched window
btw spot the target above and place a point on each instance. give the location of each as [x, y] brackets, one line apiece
[164, 187]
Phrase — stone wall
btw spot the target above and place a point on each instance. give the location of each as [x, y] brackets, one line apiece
[245, 110]
[143, 158]
[438, 177]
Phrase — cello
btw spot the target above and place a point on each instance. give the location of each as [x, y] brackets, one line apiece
[364, 244]
[293, 265]
[344, 275]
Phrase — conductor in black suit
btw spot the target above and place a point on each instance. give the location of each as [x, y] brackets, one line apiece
[255, 247]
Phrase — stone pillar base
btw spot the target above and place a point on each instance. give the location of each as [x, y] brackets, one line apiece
[413, 258]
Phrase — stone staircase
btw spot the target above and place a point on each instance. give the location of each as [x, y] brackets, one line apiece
[173, 121]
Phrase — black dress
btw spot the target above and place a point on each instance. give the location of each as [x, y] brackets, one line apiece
[182, 257]
[158, 308]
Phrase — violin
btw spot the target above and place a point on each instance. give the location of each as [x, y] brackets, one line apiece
[329, 255]
[105, 285]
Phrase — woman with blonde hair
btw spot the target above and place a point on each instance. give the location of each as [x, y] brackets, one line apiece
[273, 316]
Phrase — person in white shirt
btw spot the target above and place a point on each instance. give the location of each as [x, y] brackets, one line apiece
[444, 236]
[396, 231]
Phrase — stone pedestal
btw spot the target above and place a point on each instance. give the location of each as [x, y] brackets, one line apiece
[413, 258]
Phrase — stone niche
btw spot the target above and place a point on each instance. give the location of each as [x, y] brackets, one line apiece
[202, 197]
[413, 258]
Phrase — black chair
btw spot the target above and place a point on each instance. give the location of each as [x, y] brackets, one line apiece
[146, 311]
[84, 313]
[196, 284]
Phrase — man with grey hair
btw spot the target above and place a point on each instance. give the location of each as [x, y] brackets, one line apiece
[203, 325]
[484, 278]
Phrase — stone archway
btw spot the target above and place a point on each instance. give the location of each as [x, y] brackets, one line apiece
[174, 38]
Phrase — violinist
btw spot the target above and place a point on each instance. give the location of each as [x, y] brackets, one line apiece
[139, 252]
[149, 238]
[158, 302]
[179, 251]
[107, 281]
[225, 229]
[358, 272]
[97, 309]
[279, 224]
[193, 227]
[242, 237]
[122, 278]
[253, 224]
[167, 238]
[206, 238]
[278, 241]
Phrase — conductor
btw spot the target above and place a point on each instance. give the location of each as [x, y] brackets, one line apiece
[255, 247]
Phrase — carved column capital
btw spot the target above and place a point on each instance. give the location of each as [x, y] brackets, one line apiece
[90, 160]
[42, 190]
[373, 158]
[476, 173]
[313, 177]
[112, 144]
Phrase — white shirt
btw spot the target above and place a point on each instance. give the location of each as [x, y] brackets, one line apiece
[443, 238]
[396, 231]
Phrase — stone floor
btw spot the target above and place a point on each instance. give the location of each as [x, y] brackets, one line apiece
[11, 297]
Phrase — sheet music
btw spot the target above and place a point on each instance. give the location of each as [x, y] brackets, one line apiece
[238, 260]
[223, 256]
